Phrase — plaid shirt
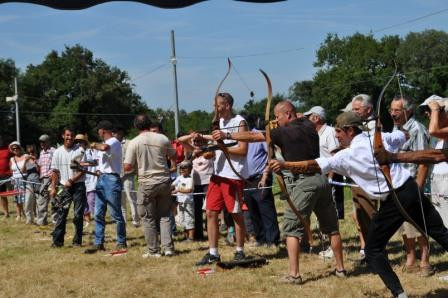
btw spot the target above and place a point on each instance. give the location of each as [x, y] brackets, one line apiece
[44, 162]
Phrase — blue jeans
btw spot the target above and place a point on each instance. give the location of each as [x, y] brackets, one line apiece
[108, 192]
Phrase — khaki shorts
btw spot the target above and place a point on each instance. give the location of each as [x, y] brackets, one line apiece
[310, 194]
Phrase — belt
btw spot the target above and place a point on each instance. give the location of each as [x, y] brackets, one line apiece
[255, 177]
[302, 176]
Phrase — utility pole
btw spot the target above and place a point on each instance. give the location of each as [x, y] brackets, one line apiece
[176, 94]
[15, 99]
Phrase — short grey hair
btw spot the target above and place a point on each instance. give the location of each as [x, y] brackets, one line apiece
[408, 103]
[365, 99]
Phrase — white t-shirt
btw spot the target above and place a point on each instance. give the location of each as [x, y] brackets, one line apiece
[62, 157]
[184, 183]
[221, 165]
[91, 155]
[327, 140]
[202, 170]
[110, 161]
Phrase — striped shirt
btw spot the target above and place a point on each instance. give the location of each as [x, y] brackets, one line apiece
[44, 162]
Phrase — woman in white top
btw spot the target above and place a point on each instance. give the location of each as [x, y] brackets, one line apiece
[17, 164]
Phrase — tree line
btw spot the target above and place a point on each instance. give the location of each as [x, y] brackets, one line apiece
[74, 89]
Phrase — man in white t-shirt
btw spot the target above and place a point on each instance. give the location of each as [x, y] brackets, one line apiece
[108, 187]
[73, 181]
[226, 187]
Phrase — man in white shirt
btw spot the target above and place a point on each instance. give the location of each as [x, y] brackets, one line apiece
[356, 161]
[108, 187]
[73, 181]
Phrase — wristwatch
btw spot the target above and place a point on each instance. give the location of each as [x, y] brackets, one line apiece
[228, 136]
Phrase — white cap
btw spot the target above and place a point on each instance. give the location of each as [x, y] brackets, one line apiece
[348, 108]
[318, 110]
[440, 100]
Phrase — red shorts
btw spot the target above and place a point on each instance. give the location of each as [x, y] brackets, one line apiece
[225, 192]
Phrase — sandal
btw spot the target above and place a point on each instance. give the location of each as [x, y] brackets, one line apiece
[292, 280]
[427, 271]
[410, 269]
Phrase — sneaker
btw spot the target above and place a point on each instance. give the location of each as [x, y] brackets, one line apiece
[168, 253]
[76, 244]
[292, 280]
[148, 254]
[340, 274]
[326, 254]
[136, 224]
[230, 239]
[208, 259]
[95, 249]
[239, 256]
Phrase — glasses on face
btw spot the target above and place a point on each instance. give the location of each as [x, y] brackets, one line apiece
[15, 148]
[396, 111]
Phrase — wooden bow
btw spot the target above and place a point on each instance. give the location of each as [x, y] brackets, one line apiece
[385, 169]
[271, 154]
[215, 123]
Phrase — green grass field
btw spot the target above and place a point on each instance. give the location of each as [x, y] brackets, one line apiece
[30, 268]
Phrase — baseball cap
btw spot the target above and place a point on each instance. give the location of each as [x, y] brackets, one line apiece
[318, 110]
[44, 138]
[350, 119]
[105, 124]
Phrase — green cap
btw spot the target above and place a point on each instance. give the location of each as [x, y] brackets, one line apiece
[350, 119]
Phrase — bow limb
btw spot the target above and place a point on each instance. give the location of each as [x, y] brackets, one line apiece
[278, 176]
[385, 169]
[215, 122]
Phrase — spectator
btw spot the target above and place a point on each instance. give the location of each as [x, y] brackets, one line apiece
[128, 182]
[44, 163]
[17, 164]
[260, 202]
[73, 182]
[108, 187]
[5, 173]
[402, 113]
[149, 152]
[183, 188]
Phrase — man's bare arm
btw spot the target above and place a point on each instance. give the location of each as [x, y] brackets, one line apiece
[430, 156]
[241, 136]
[298, 167]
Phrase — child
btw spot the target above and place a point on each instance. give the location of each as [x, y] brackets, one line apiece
[183, 188]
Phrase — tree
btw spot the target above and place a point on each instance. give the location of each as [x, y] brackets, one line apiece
[74, 89]
[8, 71]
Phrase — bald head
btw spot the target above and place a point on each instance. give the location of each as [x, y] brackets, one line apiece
[285, 112]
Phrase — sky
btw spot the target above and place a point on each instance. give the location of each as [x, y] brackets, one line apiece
[280, 38]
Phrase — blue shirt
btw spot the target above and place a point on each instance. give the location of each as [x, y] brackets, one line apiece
[257, 157]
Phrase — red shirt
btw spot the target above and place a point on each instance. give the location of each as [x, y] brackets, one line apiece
[5, 155]
[179, 151]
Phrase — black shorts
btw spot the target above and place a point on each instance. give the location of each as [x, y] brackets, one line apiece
[4, 186]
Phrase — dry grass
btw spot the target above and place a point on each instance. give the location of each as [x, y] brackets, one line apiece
[30, 268]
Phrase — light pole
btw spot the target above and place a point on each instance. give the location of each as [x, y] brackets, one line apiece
[176, 94]
[15, 99]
